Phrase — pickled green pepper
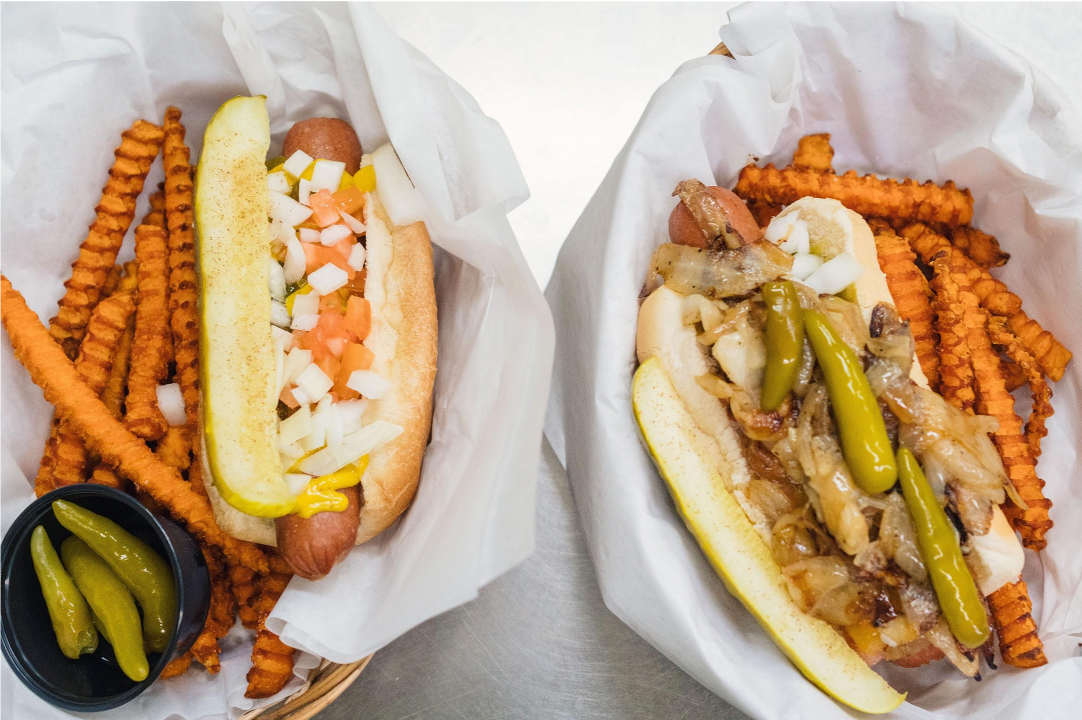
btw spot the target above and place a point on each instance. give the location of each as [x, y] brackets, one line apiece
[111, 602]
[146, 575]
[784, 342]
[958, 596]
[863, 433]
[72, 623]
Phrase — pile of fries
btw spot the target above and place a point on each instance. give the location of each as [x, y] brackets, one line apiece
[973, 340]
[120, 332]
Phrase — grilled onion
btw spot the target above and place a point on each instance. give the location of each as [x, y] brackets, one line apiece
[720, 274]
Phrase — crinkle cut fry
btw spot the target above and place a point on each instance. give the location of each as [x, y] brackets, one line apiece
[1042, 394]
[183, 291]
[763, 212]
[105, 475]
[220, 617]
[54, 373]
[951, 308]
[152, 346]
[911, 294]
[1011, 611]
[866, 195]
[979, 247]
[174, 449]
[242, 585]
[272, 660]
[1050, 353]
[65, 454]
[115, 212]
[814, 152]
[177, 666]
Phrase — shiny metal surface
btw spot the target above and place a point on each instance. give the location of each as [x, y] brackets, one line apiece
[537, 643]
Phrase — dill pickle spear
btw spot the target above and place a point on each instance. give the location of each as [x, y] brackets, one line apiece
[863, 433]
[784, 342]
[953, 584]
[68, 611]
[111, 602]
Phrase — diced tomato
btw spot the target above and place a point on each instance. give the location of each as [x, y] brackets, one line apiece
[345, 245]
[329, 365]
[298, 339]
[324, 209]
[287, 398]
[358, 317]
[328, 337]
[356, 284]
[316, 256]
[330, 303]
[349, 200]
[355, 357]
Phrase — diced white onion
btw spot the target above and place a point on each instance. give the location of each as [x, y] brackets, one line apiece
[287, 210]
[780, 227]
[293, 268]
[350, 413]
[279, 315]
[282, 338]
[297, 360]
[327, 175]
[327, 279]
[306, 304]
[804, 264]
[277, 281]
[292, 450]
[301, 397]
[333, 234]
[353, 223]
[835, 274]
[308, 234]
[304, 322]
[314, 382]
[334, 426]
[356, 257]
[171, 403]
[369, 384]
[799, 241]
[354, 446]
[296, 426]
[278, 182]
[297, 163]
[317, 435]
[297, 482]
[399, 197]
[304, 189]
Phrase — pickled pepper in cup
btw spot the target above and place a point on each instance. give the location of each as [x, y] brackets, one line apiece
[144, 573]
[68, 611]
[112, 604]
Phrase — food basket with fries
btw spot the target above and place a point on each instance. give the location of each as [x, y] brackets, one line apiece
[106, 310]
[862, 105]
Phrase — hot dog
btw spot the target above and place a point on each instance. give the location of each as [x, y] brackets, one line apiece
[317, 394]
[799, 469]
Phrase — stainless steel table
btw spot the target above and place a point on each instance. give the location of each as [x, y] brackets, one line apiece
[537, 643]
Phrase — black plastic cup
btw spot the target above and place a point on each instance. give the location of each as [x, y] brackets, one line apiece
[95, 681]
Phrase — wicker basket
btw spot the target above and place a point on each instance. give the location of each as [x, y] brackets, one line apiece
[328, 681]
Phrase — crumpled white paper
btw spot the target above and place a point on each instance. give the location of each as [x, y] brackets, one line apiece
[905, 90]
[75, 76]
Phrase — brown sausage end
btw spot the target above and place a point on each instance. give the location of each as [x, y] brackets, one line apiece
[312, 546]
[326, 139]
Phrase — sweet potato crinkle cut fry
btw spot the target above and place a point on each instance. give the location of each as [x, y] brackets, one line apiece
[951, 307]
[979, 247]
[153, 342]
[1042, 394]
[909, 289]
[178, 666]
[174, 449]
[242, 585]
[115, 212]
[1011, 611]
[65, 454]
[54, 373]
[272, 659]
[104, 475]
[220, 617]
[814, 152]
[183, 291]
[994, 296]
[866, 195]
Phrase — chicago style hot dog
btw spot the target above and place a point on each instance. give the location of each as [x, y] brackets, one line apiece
[319, 336]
